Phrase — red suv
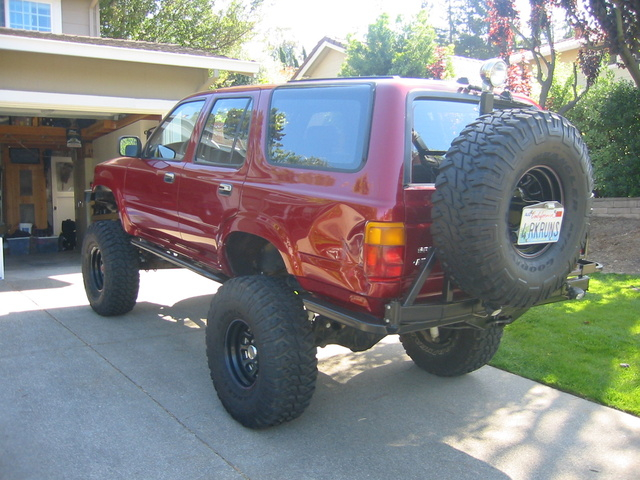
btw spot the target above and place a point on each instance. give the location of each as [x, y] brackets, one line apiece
[341, 211]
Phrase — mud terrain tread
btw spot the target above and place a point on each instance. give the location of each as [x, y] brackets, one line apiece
[469, 204]
[287, 354]
[121, 269]
[468, 349]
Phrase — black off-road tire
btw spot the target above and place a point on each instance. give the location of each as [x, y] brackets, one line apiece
[110, 269]
[455, 351]
[499, 164]
[260, 351]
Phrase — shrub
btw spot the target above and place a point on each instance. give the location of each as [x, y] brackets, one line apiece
[609, 118]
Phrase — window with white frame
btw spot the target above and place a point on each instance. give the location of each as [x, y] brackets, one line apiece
[40, 15]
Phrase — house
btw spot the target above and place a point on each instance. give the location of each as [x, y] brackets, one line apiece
[66, 95]
[567, 53]
[324, 61]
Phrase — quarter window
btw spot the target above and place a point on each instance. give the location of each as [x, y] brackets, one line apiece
[320, 127]
[226, 133]
[171, 138]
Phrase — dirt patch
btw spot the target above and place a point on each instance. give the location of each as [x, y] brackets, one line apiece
[615, 242]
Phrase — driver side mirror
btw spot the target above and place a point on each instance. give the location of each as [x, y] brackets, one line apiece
[130, 147]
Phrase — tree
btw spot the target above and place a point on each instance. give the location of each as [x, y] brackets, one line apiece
[190, 23]
[287, 54]
[472, 36]
[505, 31]
[612, 24]
[403, 49]
[441, 67]
[503, 24]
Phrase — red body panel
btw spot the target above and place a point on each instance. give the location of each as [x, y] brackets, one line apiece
[315, 218]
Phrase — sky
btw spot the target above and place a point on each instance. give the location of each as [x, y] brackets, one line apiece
[307, 22]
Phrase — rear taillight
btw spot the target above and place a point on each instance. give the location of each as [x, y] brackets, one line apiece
[384, 245]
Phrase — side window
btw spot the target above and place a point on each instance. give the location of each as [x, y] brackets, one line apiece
[320, 127]
[226, 133]
[169, 141]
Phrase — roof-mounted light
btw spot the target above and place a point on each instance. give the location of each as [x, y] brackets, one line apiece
[493, 73]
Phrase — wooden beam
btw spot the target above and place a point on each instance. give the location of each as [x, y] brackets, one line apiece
[17, 134]
[56, 137]
[101, 127]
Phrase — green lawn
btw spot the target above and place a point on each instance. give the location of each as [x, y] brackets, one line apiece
[582, 347]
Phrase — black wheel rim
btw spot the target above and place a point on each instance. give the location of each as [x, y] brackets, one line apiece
[241, 353]
[96, 268]
[538, 184]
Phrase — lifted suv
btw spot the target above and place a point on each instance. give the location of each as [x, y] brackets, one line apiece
[342, 211]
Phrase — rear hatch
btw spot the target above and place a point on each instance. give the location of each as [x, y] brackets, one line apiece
[434, 120]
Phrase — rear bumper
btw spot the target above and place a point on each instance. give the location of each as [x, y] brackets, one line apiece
[404, 316]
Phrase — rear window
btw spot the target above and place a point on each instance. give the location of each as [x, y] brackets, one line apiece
[323, 128]
[434, 125]
[438, 122]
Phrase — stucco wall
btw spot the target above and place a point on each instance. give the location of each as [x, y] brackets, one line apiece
[616, 207]
[86, 76]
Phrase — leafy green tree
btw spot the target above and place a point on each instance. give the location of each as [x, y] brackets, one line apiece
[200, 24]
[467, 28]
[375, 55]
[404, 49]
[286, 53]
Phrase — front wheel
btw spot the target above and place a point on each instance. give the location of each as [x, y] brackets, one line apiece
[110, 269]
[449, 352]
[260, 351]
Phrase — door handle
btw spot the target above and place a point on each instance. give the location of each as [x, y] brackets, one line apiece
[169, 177]
[225, 189]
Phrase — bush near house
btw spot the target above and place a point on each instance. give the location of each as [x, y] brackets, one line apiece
[609, 118]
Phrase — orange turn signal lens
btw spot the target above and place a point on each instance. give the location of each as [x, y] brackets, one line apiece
[386, 234]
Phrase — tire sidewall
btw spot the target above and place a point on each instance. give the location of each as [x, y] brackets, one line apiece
[462, 350]
[561, 255]
[223, 315]
[90, 243]
[120, 269]
[281, 332]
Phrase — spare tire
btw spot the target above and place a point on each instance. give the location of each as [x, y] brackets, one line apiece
[501, 163]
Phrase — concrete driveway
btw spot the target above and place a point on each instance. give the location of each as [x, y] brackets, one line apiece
[87, 397]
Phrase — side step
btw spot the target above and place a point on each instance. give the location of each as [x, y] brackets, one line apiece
[179, 261]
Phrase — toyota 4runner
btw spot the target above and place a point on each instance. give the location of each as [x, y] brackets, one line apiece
[341, 211]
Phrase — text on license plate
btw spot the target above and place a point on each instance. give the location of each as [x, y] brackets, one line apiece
[541, 223]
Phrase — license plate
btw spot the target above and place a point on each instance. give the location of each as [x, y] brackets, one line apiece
[540, 223]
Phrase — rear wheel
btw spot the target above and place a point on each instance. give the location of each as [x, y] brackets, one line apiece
[110, 269]
[261, 351]
[449, 352]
